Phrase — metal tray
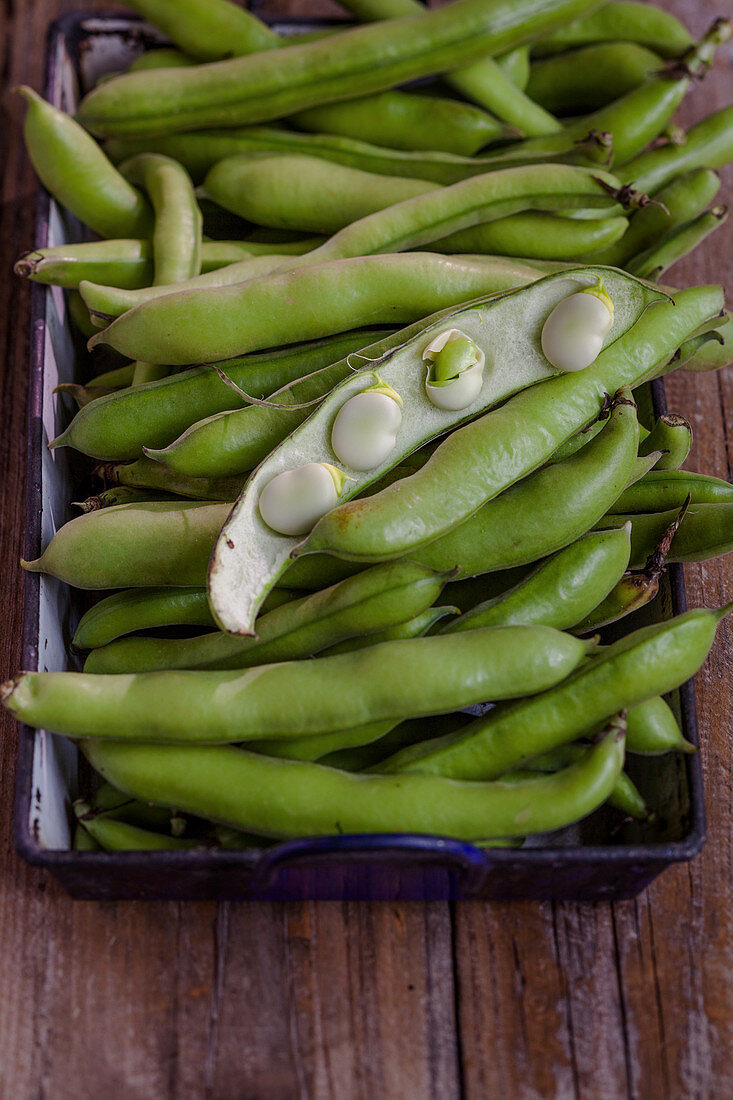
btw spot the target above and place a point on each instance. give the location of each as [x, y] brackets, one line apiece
[599, 858]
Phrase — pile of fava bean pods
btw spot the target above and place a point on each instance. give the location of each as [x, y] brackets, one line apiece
[367, 402]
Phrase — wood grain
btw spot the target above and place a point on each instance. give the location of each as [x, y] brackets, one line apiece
[342, 1000]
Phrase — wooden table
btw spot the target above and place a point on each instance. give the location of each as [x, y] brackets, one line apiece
[402, 1001]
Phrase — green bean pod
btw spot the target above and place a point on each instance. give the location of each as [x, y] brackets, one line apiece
[134, 545]
[646, 663]
[178, 221]
[590, 77]
[546, 511]
[560, 591]
[682, 199]
[368, 290]
[292, 799]
[709, 144]
[148, 474]
[634, 589]
[120, 494]
[364, 757]
[265, 86]
[371, 601]
[292, 699]
[536, 235]
[705, 532]
[401, 120]
[484, 82]
[535, 422]
[652, 730]
[208, 29]
[74, 169]
[624, 796]
[113, 835]
[621, 20]
[678, 243]
[135, 609]
[106, 302]
[199, 150]
[128, 263]
[304, 193]
[672, 435]
[117, 426]
[661, 490]
[417, 627]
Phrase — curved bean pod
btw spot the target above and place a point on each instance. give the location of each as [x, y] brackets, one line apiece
[127, 263]
[706, 531]
[652, 729]
[74, 169]
[559, 592]
[401, 120]
[134, 545]
[624, 796]
[136, 609]
[147, 474]
[367, 290]
[371, 601]
[117, 426]
[625, 20]
[178, 221]
[660, 490]
[120, 494]
[290, 798]
[677, 244]
[709, 144]
[199, 150]
[304, 193]
[547, 510]
[646, 663]
[672, 435]
[208, 29]
[113, 835]
[476, 462]
[295, 698]
[590, 77]
[537, 235]
[369, 59]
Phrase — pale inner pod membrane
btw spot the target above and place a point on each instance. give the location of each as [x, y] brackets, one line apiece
[572, 336]
[456, 370]
[296, 499]
[365, 430]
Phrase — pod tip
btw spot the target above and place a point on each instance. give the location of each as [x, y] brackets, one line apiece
[33, 566]
[157, 454]
[7, 689]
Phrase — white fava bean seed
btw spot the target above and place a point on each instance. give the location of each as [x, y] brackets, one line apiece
[461, 391]
[296, 499]
[365, 430]
[572, 336]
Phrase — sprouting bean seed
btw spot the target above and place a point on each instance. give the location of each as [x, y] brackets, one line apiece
[456, 371]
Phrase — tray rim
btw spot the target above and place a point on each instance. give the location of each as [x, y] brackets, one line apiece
[654, 856]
